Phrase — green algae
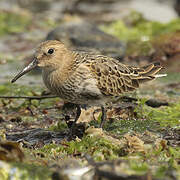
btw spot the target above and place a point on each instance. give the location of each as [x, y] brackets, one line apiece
[160, 163]
[11, 22]
[122, 126]
[98, 147]
[165, 116]
[24, 171]
[10, 89]
[156, 159]
[146, 119]
[60, 126]
[141, 29]
[139, 33]
[173, 77]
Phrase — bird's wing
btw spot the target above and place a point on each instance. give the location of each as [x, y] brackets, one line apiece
[115, 78]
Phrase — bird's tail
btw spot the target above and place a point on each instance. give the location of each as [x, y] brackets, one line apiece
[149, 72]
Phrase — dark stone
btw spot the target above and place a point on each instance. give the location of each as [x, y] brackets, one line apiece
[87, 37]
[1, 119]
[36, 136]
[177, 7]
[99, 11]
[156, 103]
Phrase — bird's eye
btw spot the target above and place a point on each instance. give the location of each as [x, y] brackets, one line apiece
[50, 51]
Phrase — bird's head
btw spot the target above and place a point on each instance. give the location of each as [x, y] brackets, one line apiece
[50, 54]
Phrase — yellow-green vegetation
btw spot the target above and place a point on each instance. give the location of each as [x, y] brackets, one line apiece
[148, 118]
[8, 89]
[60, 126]
[138, 32]
[122, 126]
[155, 157]
[99, 147]
[141, 29]
[23, 171]
[163, 116]
[163, 160]
[172, 77]
[13, 22]
[19, 90]
[166, 116]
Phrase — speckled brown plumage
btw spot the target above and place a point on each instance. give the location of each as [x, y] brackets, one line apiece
[114, 78]
[86, 78]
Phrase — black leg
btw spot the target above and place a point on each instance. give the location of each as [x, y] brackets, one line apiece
[103, 117]
[78, 113]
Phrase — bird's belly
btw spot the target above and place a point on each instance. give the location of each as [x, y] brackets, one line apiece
[76, 97]
[78, 90]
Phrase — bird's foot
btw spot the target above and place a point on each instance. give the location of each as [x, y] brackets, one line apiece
[103, 117]
[72, 131]
[76, 130]
[73, 127]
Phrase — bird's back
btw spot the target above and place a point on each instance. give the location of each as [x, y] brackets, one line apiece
[115, 78]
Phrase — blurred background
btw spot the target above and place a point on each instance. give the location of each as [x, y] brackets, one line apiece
[133, 31]
[143, 132]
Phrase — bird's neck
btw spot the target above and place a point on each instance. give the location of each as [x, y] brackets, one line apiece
[60, 72]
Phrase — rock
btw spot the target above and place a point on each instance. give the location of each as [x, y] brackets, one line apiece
[99, 11]
[155, 10]
[111, 10]
[35, 137]
[156, 103]
[177, 6]
[87, 37]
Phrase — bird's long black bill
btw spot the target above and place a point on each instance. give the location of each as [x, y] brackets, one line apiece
[28, 68]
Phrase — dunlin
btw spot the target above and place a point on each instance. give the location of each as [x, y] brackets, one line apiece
[86, 78]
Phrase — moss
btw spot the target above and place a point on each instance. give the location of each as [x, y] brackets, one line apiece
[99, 148]
[172, 77]
[23, 171]
[139, 168]
[122, 126]
[18, 90]
[147, 119]
[28, 119]
[165, 162]
[165, 116]
[139, 32]
[141, 29]
[158, 160]
[45, 103]
[61, 126]
[11, 22]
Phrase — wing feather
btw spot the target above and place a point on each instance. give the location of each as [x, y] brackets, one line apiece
[115, 78]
